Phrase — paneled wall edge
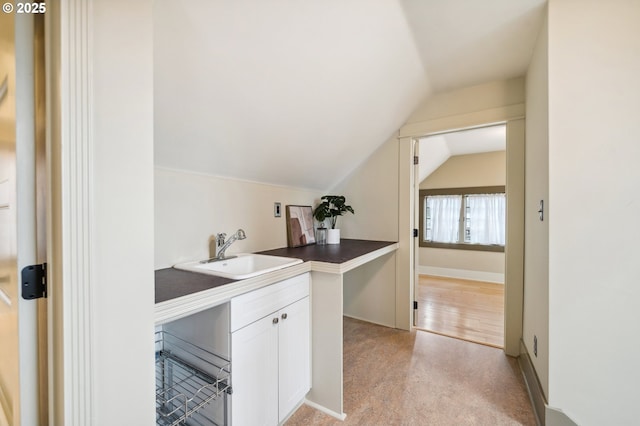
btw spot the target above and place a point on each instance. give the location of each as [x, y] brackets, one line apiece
[73, 216]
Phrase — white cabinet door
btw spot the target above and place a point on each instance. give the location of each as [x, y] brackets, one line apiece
[270, 356]
[294, 355]
[254, 373]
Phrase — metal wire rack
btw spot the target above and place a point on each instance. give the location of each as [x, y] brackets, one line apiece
[187, 378]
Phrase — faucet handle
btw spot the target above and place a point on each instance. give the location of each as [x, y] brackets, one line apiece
[220, 238]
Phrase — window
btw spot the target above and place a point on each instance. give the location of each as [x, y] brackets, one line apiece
[463, 218]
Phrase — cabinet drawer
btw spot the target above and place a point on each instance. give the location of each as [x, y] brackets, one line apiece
[254, 305]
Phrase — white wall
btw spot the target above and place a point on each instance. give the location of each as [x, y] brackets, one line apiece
[119, 241]
[370, 291]
[536, 272]
[485, 169]
[594, 320]
[480, 100]
[464, 264]
[190, 208]
[372, 190]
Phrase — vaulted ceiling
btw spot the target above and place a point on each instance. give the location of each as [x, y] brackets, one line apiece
[300, 93]
[435, 150]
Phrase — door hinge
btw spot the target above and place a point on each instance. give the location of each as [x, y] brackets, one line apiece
[34, 281]
[415, 304]
[416, 159]
[415, 233]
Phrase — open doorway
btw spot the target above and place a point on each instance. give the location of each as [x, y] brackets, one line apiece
[460, 266]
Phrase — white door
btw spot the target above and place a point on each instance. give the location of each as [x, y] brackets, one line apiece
[254, 373]
[19, 378]
[294, 355]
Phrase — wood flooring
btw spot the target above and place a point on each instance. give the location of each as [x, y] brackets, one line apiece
[464, 309]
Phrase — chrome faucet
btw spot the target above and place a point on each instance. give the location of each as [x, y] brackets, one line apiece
[222, 245]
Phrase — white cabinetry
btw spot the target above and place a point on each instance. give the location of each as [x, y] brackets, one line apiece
[294, 356]
[270, 352]
[255, 374]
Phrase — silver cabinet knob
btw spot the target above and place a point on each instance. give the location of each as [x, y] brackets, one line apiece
[275, 320]
[284, 316]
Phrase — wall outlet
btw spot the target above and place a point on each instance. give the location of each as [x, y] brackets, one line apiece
[535, 346]
[277, 209]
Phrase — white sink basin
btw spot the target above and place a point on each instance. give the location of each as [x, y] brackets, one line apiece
[242, 266]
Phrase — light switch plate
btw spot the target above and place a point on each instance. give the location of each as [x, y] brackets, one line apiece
[277, 209]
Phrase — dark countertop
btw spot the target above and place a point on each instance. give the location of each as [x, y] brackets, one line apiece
[173, 283]
[331, 253]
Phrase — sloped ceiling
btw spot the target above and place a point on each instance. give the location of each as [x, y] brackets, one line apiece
[437, 149]
[467, 42]
[296, 92]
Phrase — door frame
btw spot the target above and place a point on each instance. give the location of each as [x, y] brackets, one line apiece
[513, 117]
[26, 208]
[417, 216]
[31, 202]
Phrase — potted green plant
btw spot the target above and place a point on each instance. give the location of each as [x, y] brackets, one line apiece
[330, 207]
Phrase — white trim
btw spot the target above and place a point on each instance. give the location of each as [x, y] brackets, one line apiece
[325, 410]
[26, 196]
[406, 253]
[368, 320]
[74, 217]
[462, 129]
[180, 307]
[341, 268]
[557, 417]
[536, 394]
[465, 274]
[513, 115]
[545, 414]
[486, 117]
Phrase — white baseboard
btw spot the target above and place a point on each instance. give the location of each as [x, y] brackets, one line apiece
[556, 417]
[545, 414]
[538, 400]
[464, 274]
[345, 314]
[325, 410]
[298, 405]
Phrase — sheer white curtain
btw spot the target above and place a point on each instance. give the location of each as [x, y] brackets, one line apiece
[486, 218]
[445, 217]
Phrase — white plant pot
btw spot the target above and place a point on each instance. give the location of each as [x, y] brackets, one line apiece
[333, 236]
